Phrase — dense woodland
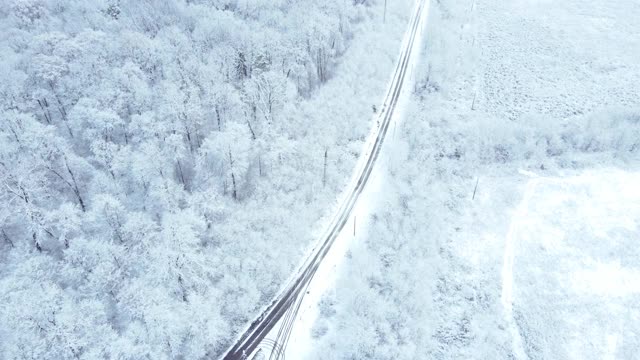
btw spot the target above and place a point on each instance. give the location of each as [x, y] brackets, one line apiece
[133, 134]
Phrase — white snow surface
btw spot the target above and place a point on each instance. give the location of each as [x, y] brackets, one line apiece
[574, 282]
[536, 103]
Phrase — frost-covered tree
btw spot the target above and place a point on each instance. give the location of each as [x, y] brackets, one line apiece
[141, 143]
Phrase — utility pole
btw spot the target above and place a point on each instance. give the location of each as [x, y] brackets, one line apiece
[475, 189]
[384, 15]
[324, 174]
[394, 129]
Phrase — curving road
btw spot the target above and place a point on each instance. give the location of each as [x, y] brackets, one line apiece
[288, 302]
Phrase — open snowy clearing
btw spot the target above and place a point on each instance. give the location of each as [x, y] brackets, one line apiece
[570, 271]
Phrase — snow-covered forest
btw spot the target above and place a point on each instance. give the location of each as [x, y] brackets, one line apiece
[163, 163]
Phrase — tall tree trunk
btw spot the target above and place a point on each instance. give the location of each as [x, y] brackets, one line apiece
[234, 192]
[324, 173]
[218, 118]
[62, 110]
[34, 236]
[253, 134]
[44, 105]
[6, 238]
[181, 174]
[76, 190]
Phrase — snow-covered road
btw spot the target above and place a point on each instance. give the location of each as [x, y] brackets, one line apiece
[304, 328]
[270, 333]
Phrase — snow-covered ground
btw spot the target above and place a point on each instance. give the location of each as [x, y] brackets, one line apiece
[536, 103]
[571, 274]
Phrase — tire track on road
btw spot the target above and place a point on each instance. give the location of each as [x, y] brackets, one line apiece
[294, 293]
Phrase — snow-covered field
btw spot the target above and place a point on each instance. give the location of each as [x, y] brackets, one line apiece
[536, 103]
[571, 271]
